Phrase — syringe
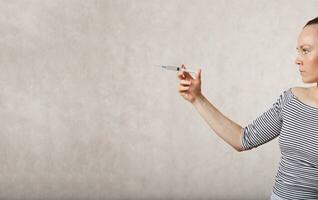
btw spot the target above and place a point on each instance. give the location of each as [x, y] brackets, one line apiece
[175, 68]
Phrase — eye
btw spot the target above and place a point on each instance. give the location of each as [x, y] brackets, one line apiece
[305, 51]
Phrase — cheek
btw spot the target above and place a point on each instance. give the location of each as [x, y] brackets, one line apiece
[314, 61]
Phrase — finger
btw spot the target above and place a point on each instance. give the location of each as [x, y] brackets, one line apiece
[183, 88]
[186, 74]
[185, 95]
[181, 75]
[198, 75]
[185, 82]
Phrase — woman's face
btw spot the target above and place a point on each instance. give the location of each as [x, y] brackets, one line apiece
[307, 58]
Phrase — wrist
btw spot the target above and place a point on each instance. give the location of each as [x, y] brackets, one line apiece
[198, 100]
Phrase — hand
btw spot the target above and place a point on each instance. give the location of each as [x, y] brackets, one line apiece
[189, 88]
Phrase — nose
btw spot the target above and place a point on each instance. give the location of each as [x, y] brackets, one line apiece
[298, 61]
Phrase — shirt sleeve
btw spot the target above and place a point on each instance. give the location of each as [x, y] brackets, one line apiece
[264, 128]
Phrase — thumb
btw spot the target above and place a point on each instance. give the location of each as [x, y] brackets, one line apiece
[198, 74]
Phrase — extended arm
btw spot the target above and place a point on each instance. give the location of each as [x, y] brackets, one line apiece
[224, 127]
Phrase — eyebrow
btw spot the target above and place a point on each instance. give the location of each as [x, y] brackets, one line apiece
[303, 45]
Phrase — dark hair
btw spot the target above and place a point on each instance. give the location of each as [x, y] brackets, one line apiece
[313, 21]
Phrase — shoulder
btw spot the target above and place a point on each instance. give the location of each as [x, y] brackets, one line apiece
[287, 95]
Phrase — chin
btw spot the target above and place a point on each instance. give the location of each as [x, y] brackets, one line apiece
[309, 81]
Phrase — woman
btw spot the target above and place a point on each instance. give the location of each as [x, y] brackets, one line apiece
[293, 117]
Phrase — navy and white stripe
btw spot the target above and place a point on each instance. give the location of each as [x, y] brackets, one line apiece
[296, 124]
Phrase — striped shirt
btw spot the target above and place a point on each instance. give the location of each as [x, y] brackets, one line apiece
[296, 124]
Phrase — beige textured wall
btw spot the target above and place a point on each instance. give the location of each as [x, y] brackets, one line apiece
[85, 115]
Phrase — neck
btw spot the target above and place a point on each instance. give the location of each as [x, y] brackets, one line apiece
[314, 91]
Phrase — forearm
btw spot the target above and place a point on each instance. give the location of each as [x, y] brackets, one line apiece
[224, 127]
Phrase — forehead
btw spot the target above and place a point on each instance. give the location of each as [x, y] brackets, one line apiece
[309, 35]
